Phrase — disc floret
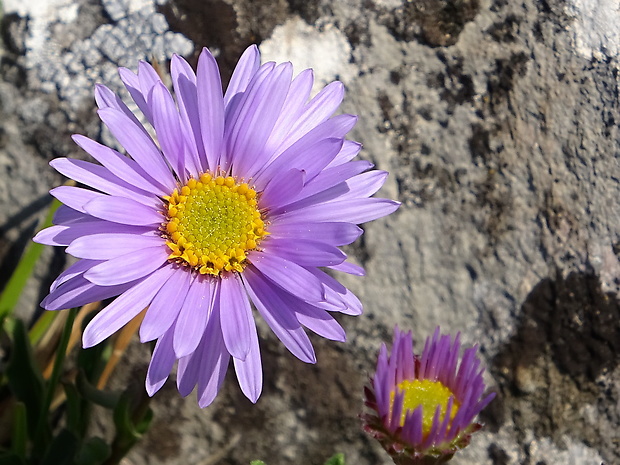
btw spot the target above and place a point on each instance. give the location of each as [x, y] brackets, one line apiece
[429, 395]
[212, 224]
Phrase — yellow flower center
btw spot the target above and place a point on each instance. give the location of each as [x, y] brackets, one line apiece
[212, 223]
[428, 394]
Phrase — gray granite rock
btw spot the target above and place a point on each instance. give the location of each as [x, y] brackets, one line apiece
[497, 122]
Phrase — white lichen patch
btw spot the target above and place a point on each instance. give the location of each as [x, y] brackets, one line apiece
[389, 3]
[571, 452]
[327, 51]
[41, 13]
[596, 27]
[60, 61]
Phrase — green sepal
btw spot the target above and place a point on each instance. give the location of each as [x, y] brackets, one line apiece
[62, 449]
[94, 451]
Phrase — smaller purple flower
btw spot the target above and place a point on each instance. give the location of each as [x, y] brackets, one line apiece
[424, 407]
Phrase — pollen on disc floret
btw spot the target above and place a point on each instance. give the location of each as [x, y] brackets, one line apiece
[429, 395]
[212, 223]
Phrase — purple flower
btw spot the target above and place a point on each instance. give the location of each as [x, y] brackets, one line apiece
[244, 197]
[425, 406]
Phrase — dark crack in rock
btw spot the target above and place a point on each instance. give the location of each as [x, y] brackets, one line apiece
[13, 32]
[357, 32]
[498, 455]
[309, 10]
[479, 145]
[501, 79]
[419, 178]
[506, 30]
[456, 87]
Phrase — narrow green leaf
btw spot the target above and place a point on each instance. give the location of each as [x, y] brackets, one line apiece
[43, 421]
[24, 377]
[20, 429]
[74, 413]
[337, 459]
[93, 452]
[13, 289]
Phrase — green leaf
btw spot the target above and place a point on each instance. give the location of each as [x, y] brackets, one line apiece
[43, 426]
[20, 430]
[337, 459]
[128, 424]
[24, 377]
[15, 286]
[143, 425]
[10, 458]
[62, 450]
[92, 360]
[93, 452]
[257, 462]
[74, 409]
[107, 399]
[132, 418]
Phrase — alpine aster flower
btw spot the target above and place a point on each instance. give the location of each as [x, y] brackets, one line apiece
[244, 196]
[425, 406]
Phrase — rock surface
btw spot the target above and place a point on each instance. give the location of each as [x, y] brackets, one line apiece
[497, 122]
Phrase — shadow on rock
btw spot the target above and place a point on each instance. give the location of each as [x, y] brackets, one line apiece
[558, 364]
